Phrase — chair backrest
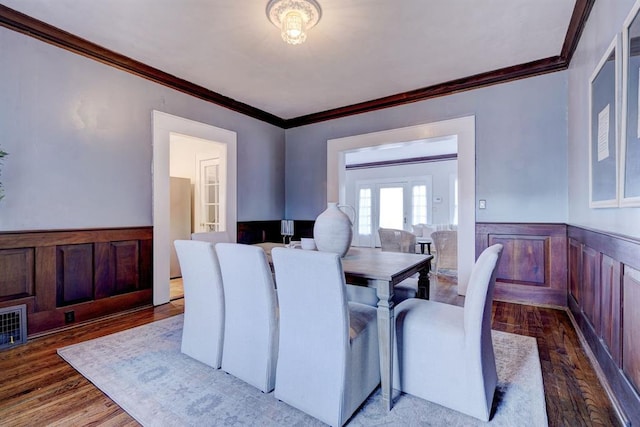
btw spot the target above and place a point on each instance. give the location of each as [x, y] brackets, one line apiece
[251, 314]
[314, 317]
[445, 243]
[477, 304]
[203, 299]
[392, 240]
[212, 237]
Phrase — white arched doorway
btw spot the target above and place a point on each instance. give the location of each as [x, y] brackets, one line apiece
[464, 129]
[164, 125]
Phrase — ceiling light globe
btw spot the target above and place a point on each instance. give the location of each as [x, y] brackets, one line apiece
[293, 28]
[294, 18]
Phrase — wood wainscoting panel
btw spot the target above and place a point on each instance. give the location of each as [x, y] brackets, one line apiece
[605, 293]
[118, 268]
[91, 273]
[631, 321]
[575, 267]
[74, 273]
[125, 260]
[611, 307]
[523, 259]
[589, 287]
[17, 278]
[533, 267]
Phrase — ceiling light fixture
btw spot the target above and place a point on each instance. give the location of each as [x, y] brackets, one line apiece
[294, 18]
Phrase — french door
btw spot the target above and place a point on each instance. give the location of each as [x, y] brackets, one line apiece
[210, 195]
[389, 204]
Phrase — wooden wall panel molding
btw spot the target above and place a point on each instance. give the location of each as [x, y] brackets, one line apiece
[575, 267]
[631, 321]
[17, 267]
[611, 308]
[533, 267]
[77, 270]
[605, 268]
[621, 248]
[589, 286]
[74, 274]
[523, 259]
[125, 261]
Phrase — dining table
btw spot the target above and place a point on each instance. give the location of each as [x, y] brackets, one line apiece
[382, 270]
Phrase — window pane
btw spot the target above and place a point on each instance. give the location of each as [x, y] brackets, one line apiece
[391, 207]
[419, 201]
[364, 211]
[454, 220]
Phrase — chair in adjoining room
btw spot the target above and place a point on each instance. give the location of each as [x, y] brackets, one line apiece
[446, 248]
[202, 333]
[444, 353]
[392, 240]
[328, 360]
[251, 315]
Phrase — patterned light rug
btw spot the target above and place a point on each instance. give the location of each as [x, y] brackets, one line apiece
[143, 371]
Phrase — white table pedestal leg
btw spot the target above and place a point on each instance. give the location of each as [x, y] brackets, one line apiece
[386, 330]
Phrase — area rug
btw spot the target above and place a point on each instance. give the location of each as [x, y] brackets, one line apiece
[143, 371]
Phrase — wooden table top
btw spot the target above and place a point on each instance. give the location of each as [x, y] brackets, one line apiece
[373, 264]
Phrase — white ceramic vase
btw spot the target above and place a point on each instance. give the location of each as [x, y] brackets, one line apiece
[333, 230]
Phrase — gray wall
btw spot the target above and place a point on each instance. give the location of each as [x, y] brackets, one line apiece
[79, 136]
[605, 21]
[521, 148]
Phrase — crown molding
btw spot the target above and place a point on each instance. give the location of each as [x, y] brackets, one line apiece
[32, 27]
[516, 72]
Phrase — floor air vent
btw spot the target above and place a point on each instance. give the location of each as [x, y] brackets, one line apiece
[13, 326]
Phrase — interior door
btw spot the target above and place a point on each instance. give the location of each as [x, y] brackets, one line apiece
[210, 195]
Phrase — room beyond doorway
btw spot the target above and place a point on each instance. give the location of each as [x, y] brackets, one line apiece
[164, 125]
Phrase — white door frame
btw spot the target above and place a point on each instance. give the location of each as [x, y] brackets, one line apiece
[163, 126]
[465, 130]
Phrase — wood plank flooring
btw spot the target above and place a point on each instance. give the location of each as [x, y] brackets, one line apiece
[38, 388]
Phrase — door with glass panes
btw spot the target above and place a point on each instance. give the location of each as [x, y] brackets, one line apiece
[209, 212]
[389, 204]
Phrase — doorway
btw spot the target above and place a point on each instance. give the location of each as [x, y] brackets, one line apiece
[395, 203]
[464, 130]
[166, 127]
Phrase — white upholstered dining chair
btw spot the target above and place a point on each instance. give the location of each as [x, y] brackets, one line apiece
[328, 360]
[444, 353]
[202, 332]
[251, 315]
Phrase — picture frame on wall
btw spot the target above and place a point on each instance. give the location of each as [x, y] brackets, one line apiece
[629, 179]
[604, 123]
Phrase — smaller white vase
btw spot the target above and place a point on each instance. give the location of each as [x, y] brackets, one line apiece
[333, 230]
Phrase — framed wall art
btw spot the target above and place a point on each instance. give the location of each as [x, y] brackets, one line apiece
[630, 141]
[604, 113]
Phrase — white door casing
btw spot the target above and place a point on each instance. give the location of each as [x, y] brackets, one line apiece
[163, 126]
[464, 129]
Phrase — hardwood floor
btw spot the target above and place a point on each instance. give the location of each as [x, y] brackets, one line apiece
[176, 290]
[38, 388]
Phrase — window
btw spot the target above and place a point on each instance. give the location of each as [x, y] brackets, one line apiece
[419, 204]
[364, 211]
[453, 185]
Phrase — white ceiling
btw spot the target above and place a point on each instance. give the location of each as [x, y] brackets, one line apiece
[360, 50]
